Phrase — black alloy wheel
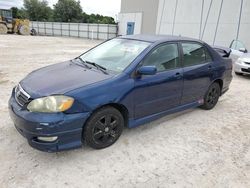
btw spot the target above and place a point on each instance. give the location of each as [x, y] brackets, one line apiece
[103, 128]
[212, 96]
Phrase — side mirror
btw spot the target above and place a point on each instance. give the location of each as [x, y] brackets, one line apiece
[244, 50]
[147, 70]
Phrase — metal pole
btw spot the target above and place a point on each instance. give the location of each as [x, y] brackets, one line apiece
[44, 23]
[202, 8]
[78, 30]
[88, 31]
[108, 32]
[208, 13]
[117, 30]
[238, 29]
[53, 29]
[176, 3]
[98, 31]
[38, 27]
[216, 30]
[69, 29]
[61, 27]
[163, 8]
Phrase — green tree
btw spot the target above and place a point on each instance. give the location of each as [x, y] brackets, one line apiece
[64, 11]
[68, 11]
[85, 18]
[97, 18]
[108, 20]
[19, 13]
[38, 10]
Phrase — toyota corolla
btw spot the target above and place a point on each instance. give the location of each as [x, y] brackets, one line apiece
[123, 82]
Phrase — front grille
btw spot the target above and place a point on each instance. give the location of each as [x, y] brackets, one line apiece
[22, 97]
[246, 70]
[248, 63]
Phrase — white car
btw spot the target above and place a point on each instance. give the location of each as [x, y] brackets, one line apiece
[240, 57]
[242, 65]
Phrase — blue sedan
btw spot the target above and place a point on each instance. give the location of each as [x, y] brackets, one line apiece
[123, 82]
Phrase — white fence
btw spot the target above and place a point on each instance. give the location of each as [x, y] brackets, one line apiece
[81, 30]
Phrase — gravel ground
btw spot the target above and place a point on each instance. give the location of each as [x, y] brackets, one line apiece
[194, 148]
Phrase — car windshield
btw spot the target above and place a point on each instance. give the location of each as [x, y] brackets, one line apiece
[116, 54]
[237, 45]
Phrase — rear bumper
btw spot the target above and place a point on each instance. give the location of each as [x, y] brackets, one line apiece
[66, 127]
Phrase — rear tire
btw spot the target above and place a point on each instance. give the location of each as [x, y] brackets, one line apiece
[103, 128]
[212, 96]
[3, 29]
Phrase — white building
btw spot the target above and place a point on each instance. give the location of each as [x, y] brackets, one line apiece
[217, 22]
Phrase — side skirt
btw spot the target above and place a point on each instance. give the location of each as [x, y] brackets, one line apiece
[136, 122]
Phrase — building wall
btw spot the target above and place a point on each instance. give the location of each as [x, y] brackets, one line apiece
[124, 18]
[191, 16]
[132, 10]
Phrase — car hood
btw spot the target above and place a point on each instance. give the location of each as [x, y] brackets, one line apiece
[245, 57]
[60, 78]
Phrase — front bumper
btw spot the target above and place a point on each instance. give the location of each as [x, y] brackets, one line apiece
[67, 127]
[242, 68]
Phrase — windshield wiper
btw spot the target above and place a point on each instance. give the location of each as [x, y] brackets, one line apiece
[96, 65]
[82, 62]
[99, 67]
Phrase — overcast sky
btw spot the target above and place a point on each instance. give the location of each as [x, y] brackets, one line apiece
[104, 7]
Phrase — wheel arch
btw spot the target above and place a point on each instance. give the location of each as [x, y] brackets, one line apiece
[220, 82]
[120, 107]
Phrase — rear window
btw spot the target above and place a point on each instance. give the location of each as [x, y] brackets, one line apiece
[194, 54]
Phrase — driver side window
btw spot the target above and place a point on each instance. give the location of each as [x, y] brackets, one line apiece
[164, 57]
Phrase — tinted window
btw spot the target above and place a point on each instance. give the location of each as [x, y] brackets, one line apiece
[164, 57]
[208, 56]
[193, 53]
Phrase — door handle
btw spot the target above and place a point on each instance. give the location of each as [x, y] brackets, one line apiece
[178, 75]
[209, 67]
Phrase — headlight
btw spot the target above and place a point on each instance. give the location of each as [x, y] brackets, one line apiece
[239, 61]
[51, 104]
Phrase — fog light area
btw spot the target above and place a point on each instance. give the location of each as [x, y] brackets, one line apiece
[47, 139]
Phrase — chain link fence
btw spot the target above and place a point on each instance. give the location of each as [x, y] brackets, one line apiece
[81, 30]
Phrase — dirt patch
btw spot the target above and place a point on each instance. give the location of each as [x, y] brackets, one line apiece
[3, 78]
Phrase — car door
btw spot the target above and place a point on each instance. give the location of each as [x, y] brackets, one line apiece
[197, 71]
[162, 91]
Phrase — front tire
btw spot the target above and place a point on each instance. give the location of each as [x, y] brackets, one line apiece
[212, 96]
[24, 30]
[103, 128]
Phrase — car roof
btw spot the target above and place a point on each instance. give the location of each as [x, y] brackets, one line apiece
[158, 38]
